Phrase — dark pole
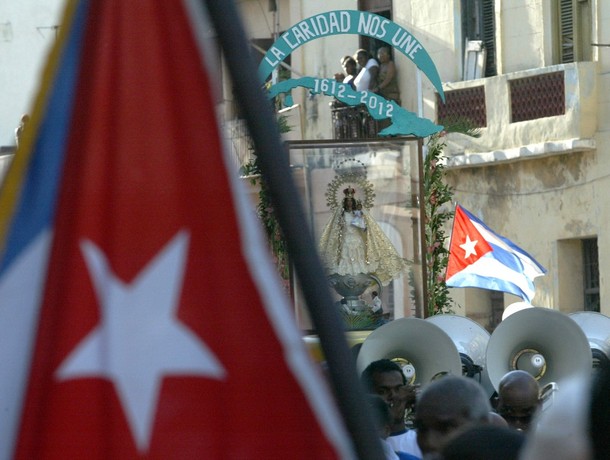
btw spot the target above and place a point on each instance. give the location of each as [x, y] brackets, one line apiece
[422, 230]
[275, 169]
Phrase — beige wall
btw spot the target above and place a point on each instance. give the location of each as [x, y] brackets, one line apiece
[28, 29]
[542, 183]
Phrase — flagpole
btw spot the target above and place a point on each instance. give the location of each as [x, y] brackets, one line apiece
[275, 169]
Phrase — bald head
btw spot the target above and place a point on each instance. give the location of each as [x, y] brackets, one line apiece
[518, 399]
[518, 379]
[446, 407]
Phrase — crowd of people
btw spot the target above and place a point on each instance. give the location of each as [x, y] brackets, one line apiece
[365, 73]
[454, 419]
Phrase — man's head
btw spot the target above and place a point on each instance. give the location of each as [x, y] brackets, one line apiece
[362, 56]
[445, 408]
[483, 442]
[374, 294]
[383, 54]
[385, 378]
[518, 399]
[349, 65]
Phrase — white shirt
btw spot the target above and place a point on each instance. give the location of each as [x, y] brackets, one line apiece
[363, 79]
[349, 80]
[405, 442]
[388, 451]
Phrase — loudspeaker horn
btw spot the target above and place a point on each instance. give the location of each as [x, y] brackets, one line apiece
[470, 339]
[421, 348]
[546, 343]
[597, 330]
[514, 308]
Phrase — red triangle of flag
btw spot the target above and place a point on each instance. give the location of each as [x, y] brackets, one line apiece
[467, 244]
[154, 340]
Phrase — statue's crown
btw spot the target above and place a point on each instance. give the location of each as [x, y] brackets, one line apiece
[349, 192]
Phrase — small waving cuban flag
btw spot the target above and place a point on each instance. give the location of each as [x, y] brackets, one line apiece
[483, 259]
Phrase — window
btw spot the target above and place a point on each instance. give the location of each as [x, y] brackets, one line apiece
[496, 299]
[478, 23]
[591, 274]
[573, 20]
[382, 8]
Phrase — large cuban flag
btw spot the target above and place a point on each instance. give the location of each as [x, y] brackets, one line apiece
[480, 258]
[140, 314]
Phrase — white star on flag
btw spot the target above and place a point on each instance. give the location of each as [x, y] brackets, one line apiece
[139, 339]
[469, 247]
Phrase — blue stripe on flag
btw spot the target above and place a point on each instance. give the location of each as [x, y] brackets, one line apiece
[491, 283]
[507, 258]
[512, 246]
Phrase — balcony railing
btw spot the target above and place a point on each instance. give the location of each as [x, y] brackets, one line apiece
[537, 96]
[353, 122]
[466, 104]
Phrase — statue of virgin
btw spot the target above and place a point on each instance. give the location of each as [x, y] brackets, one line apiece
[352, 242]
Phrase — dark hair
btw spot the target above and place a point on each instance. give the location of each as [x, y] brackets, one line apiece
[362, 51]
[484, 442]
[379, 367]
[467, 395]
[346, 59]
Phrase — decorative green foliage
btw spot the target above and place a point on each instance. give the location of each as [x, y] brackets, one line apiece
[438, 213]
[275, 237]
[437, 195]
[266, 213]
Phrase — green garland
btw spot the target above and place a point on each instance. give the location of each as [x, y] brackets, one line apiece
[266, 213]
[436, 195]
[438, 213]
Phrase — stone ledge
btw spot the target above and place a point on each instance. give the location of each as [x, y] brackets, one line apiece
[526, 152]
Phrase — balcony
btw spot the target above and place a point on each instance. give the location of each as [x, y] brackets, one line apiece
[353, 122]
[527, 114]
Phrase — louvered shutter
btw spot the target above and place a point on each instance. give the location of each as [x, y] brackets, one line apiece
[566, 30]
[478, 23]
[489, 37]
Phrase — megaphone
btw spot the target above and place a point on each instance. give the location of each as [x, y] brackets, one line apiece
[597, 330]
[470, 339]
[514, 308]
[421, 348]
[546, 343]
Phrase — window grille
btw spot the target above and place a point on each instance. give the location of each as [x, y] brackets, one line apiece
[463, 104]
[538, 96]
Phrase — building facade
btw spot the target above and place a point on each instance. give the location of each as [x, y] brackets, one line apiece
[27, 30]
[533, 75]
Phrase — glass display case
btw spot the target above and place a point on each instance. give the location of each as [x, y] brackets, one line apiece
[386, 177]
